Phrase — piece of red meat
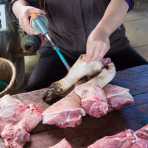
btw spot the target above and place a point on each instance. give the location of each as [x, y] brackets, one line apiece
[117, 97]
[65, 113]
[11, 110]
[121, 140]
[93, 98]
[16, 135]
[125, 139]
[17, 120]
[114, 90]
[98, 102]
[97, 99]
[141, 137]
[62, 144]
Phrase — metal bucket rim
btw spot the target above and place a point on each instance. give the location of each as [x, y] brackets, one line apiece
[13, 78]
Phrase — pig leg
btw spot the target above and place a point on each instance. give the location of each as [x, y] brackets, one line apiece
[78, 71]
[93, 98]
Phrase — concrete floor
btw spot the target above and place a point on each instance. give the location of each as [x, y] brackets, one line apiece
[137, 29]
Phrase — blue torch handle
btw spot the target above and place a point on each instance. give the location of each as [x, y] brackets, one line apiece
[40, 25]
[62, 58]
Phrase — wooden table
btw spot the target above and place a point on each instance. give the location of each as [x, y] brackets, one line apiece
[133, 117]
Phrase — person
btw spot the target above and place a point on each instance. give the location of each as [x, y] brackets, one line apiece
[93, 27]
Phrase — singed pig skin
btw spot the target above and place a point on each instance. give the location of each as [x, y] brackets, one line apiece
[78, 71]
[65, 113]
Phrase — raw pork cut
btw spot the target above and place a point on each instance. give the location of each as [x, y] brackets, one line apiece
[97, 102]
[65, 113]
[121, 140]
[93, 98]
[88, 97]
[78, 71]
[118, 97]
[62, 144]
[16, 135]
[114, 90]
[11, 110]
[68, 111]
[17, 120]
[125, 139]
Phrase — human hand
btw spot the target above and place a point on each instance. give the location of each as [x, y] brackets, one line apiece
[23, 13]
[98, 44]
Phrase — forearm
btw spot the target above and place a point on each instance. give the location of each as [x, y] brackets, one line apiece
[113, 17]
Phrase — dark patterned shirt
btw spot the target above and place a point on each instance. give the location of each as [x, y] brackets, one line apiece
[130, 3]
[71, 22]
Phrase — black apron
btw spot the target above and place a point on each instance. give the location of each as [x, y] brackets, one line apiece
[71, 22]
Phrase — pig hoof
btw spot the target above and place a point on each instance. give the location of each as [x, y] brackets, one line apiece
[54, 93]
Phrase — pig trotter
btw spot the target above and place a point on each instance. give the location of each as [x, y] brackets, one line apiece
[52, 95]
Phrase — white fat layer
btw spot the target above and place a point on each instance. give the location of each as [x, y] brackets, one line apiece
[48, 116]
[68, 120]
[8, 106]
[124, 91]
[106, 76]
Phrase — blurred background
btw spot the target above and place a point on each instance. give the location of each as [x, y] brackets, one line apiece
[137, 27]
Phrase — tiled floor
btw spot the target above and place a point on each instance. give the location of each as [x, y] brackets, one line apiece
[137, 29]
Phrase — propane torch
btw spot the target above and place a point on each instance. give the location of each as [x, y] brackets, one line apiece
[40, 24]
